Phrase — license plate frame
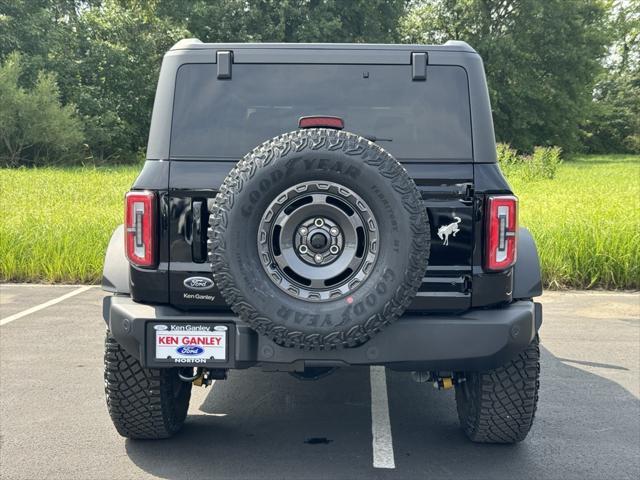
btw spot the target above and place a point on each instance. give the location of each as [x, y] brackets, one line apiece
[201, 344]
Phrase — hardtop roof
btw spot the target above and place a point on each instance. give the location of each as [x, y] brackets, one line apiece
[449, 46]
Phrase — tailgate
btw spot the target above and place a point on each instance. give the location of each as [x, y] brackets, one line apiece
[447, 189]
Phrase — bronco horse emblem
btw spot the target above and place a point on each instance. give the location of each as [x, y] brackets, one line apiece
[446, 230]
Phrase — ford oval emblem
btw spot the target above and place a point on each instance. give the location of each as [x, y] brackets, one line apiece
[190, 350]
[198, 283]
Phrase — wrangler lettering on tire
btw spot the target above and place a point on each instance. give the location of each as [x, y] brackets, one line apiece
[342, 239]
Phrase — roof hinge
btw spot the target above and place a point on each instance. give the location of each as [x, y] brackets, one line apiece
[224, 60]
[419, 65]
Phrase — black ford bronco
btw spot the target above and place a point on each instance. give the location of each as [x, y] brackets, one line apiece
[306, 207]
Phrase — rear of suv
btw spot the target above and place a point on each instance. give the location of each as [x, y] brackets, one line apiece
[307, 207]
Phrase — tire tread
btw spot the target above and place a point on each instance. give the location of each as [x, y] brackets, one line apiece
[140, 400]
[499, 406]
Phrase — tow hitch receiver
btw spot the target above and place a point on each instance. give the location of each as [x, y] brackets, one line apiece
[443, 383]
[440, 382]
[202, 377]
[446, 383]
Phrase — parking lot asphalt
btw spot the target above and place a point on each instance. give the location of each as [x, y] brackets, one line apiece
[54, 422]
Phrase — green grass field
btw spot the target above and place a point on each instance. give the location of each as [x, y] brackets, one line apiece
[586, 222]
[56, 223]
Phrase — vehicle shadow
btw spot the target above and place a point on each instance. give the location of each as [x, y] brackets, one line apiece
[586, 426]
[261, 425]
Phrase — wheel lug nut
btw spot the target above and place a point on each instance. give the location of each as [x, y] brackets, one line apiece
[334, 231]
[318, 258]
[334, 249]
[303, 249]
[302, 231]
[318, 222]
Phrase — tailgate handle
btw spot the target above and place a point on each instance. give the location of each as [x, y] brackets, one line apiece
[198, 244]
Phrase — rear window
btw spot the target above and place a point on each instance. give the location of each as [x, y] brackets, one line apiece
[225, 119]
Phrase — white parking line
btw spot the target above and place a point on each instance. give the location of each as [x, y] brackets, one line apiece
[31, 310]
[380, 422]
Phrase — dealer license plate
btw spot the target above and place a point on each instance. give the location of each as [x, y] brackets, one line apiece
[191, 343]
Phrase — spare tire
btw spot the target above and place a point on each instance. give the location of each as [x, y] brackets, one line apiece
[318, 238]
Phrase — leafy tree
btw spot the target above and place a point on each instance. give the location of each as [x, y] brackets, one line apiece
[109, 68]
[34, 127]
[288, 20]
[541, 59]
[614, 123]
[106, 55]
[32, 27]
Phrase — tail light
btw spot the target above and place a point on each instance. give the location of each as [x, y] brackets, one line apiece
[321, 121]
[140, 228]
[501, 232]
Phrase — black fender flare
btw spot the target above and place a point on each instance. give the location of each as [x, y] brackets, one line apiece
[527, 276]
[115, 273]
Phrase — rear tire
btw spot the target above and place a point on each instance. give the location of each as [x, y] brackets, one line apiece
[498, 406]
[144, 403]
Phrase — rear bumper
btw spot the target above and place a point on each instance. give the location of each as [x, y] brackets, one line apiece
[475, 340]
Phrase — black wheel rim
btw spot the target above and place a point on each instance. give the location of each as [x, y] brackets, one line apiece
[318, 241]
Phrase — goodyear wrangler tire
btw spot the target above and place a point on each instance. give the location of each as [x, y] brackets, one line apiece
[318, 239]
[143, 403]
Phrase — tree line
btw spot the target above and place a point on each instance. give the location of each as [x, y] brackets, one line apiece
[77, 77]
